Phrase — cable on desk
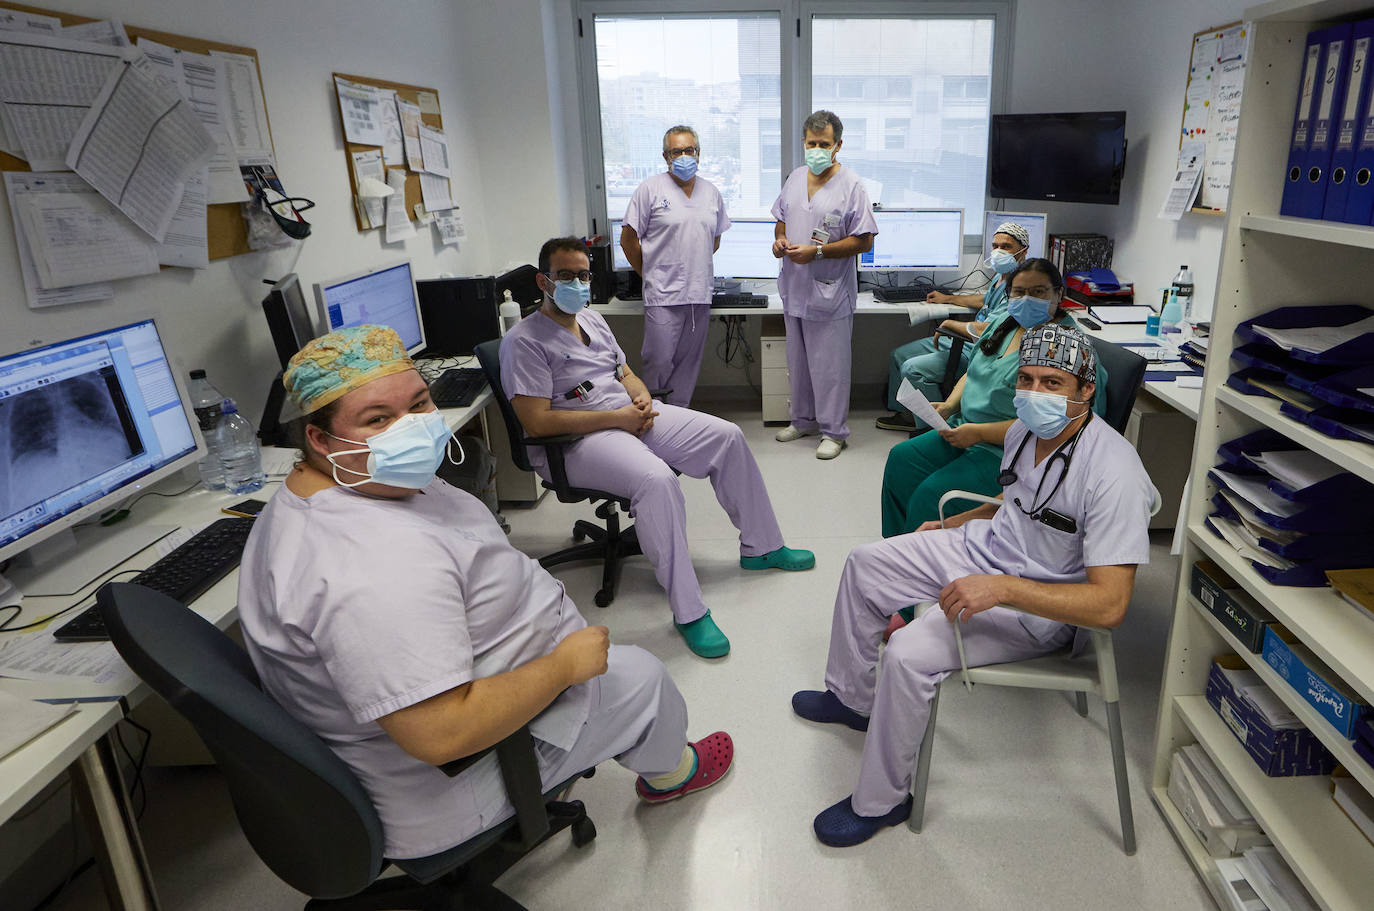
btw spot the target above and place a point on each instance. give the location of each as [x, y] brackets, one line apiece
[120, 513]
[80, 602]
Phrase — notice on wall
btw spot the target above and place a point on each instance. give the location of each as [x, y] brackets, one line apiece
[1211, 115]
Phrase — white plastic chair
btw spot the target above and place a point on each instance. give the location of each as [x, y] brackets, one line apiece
[1094, 671]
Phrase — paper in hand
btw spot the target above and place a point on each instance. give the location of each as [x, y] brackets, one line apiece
[920, 406]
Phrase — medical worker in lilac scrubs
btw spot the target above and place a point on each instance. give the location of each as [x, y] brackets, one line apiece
[824, 221]
[1062, 549]
[672, 226]
[565, 373]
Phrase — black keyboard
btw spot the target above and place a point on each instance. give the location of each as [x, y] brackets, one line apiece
[719, 301]
[901, 295]
[457, 387]
[185, 574]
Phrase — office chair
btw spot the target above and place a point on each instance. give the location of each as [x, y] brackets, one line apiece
[610, 543]
[300, 806]
[1063, 670]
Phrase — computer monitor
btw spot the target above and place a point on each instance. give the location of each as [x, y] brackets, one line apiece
[746, 250]
[915, 239]
[622, 262]
[458, 314]
[383, 296]
[288, 317]
[1034, 222]
[85, 423]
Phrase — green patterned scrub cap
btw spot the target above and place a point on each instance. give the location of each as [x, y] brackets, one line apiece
[335, 364]
[1053, 345]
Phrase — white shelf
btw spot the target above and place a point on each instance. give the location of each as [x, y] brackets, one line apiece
[1331, 232]
[1188, 841]
[1336, 632]
[1325, 850]
[1304, 11]
[1353, 456]
[1345, 754]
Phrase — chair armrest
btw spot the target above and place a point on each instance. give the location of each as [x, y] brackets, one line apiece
[553, 449]
[964, 495]
[660, 393]
[524, 787]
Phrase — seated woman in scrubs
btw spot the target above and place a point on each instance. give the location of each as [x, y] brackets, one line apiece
[979, 410]
[387, 612]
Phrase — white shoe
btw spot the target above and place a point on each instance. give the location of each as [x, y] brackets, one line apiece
[829, 448]
[790, 433]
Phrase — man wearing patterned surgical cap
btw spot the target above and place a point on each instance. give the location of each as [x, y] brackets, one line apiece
[922, 362]
[388, 612]
[1059, 552]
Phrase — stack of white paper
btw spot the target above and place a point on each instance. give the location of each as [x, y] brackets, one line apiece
[1274, 882]
[1257, 494]
[1235, 534]
[1316, 339]
[1296, 468]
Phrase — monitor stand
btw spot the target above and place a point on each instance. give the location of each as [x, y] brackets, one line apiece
[73, 559]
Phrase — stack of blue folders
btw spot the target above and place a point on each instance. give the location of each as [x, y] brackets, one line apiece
[1278, 357]
[1288, 511]
[1331, 149]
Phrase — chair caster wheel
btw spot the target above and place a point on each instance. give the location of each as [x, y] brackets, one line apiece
[579, 536]
[583, 832]
[602, 598]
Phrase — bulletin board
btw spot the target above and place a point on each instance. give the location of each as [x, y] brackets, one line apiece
[228, 235]
[428, 102]
[1211, 111]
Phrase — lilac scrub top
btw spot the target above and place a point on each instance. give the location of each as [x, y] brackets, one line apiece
[541, 359]
[677, 234]
[354, 607]
[827, 289]
[1106, 492]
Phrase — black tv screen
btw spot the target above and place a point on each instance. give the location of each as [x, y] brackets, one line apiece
[1063, 157]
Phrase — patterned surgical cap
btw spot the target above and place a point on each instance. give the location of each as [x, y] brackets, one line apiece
[1012, 229]
[1064, 347]
[332, 365]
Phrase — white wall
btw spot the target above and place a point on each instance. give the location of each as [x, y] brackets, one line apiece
[212, 317]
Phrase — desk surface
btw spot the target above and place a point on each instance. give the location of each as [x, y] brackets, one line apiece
[865, 304]
[28, 769]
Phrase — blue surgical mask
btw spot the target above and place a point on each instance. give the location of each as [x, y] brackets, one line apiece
[571, 296]
[1001, 262]
[1043, 412]
[818, 160]
[1029, 311]
[684, 167]
[406, 454]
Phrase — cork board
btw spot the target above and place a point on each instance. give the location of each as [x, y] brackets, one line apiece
[228, 236]
[429, 115]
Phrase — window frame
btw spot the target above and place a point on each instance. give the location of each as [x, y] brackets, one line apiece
[795, 19]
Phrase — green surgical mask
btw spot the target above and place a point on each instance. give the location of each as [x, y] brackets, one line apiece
[818, 160]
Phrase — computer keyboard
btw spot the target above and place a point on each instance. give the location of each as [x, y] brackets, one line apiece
[184, 574]
[719, 301]
[905, 295]
[457, 387]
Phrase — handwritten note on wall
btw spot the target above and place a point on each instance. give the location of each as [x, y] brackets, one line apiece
[1211, 110]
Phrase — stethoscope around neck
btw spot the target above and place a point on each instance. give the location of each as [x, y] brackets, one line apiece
[1064, 451]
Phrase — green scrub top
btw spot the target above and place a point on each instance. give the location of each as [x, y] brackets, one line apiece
[990, 387]
[994, 301]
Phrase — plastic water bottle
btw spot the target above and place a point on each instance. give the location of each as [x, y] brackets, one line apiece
[1173, 312]
[510, 313]
[239, 454]
[1183, 286]
[206, 400]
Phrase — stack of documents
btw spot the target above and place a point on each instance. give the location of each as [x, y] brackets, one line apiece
[1297, 469]
[1262, 699]
[1214, 811]
[1316, 339]
[1274, 882]
[21, 720]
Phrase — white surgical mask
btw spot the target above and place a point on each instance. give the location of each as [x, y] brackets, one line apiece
[406, 454]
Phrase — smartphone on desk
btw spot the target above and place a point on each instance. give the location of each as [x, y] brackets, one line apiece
[248, 509]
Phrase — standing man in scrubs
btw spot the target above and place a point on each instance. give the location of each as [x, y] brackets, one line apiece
[824, 221]
[1062, 549]
[672, 226]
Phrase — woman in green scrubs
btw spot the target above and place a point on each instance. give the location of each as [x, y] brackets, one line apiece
[979, 411]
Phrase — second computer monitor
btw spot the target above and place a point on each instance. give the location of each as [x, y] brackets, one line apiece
[746, 250]
[915, 239]
[288, 317]
[622, 262]
[384, 296]
[1033, 222]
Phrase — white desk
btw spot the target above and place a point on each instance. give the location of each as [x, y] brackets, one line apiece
[1186, 401]
[865, 305]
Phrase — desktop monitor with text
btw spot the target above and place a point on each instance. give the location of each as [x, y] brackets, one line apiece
[85, 423]
[622, 262]
[915, 239]
[746, 250]
[1033, 222]
[384, 296]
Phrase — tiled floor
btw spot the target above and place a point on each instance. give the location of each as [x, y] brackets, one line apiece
[1021, 814]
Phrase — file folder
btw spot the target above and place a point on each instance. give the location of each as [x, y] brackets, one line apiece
[1352, 120]
[1302, 124]
[1329, 103]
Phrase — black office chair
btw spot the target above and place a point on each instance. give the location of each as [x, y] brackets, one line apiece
[1125, 374]
[301, 807]
[610, 544]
